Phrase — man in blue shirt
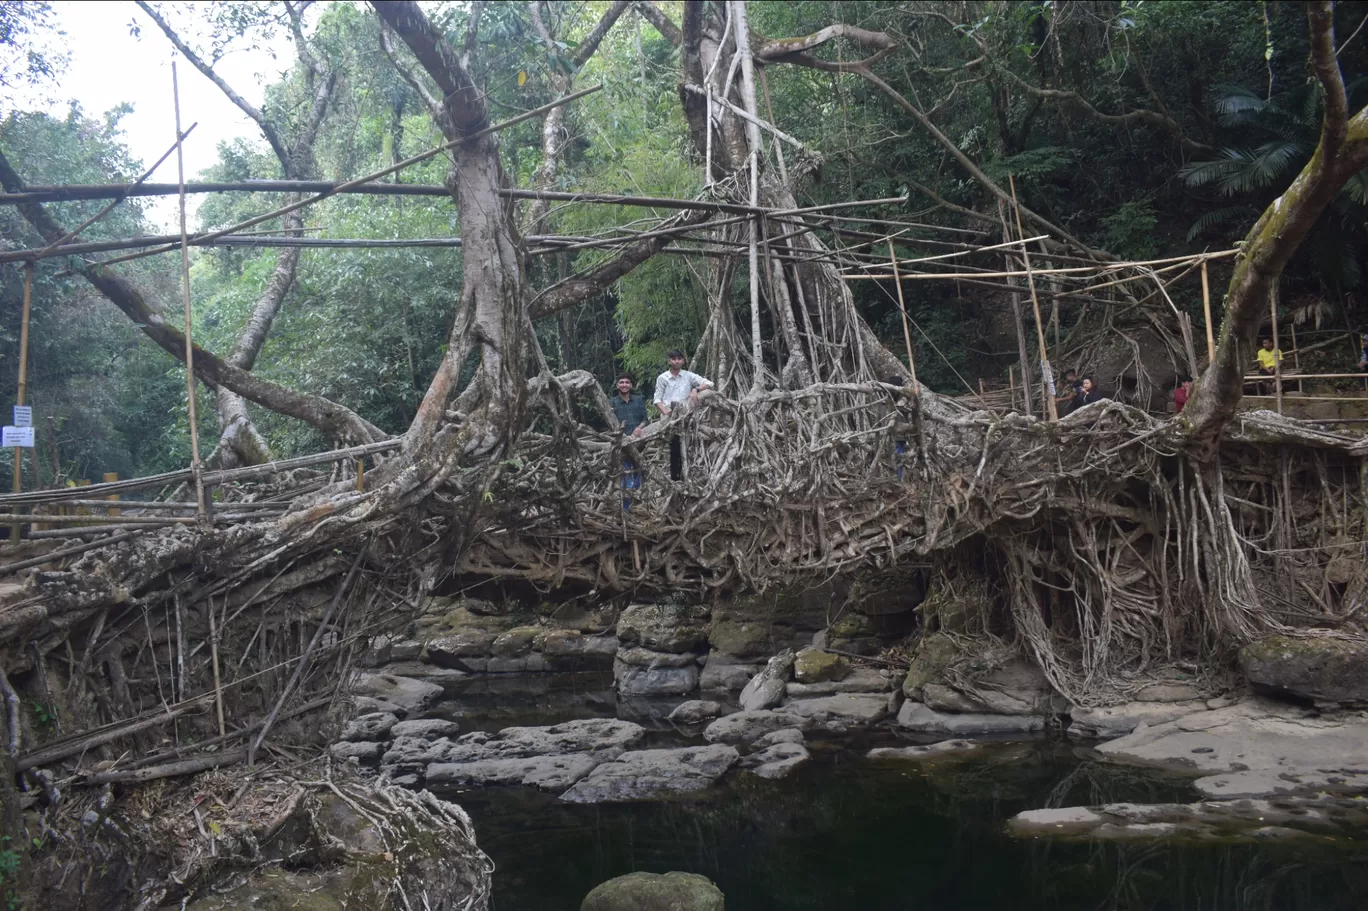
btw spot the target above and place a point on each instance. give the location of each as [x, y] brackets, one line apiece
[630, 410]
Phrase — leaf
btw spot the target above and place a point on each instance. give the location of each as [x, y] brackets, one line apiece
[522, 78]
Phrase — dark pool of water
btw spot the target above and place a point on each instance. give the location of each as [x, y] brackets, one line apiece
[848, 833]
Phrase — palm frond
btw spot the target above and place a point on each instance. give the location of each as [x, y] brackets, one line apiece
[1236, 100]
[1201, 173]
[1217, 217]
[1272, 160]
[1356, 188]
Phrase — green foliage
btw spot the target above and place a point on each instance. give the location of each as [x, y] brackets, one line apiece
[1130, 230]
[28, 51]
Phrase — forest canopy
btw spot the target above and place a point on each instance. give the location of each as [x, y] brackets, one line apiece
[1140, 129]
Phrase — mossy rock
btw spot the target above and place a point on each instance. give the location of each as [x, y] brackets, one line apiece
[936, 654]
[655, 892]
[1320, 668]
[852, 625]
[816, 666]
[735, 635]
[516, 642]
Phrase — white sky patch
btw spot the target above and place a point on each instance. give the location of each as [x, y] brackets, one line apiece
[109, 66]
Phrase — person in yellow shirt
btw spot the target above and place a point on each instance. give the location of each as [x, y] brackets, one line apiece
[1268, 356]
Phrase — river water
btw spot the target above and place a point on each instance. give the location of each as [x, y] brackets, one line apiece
[845, 832]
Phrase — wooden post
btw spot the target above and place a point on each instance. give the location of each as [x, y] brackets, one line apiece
[110, 476]
[1047, 372]
[1296, 358]
[23, 383]
[195, 466]
[214, 656]
[1011, 385]
[360, 474]
[1206, 310]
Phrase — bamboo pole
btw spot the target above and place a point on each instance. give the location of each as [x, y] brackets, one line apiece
[23, 384]
[1206, 311]
[902, 309]
[195, 467]
[1277, 354]
[1046, 378]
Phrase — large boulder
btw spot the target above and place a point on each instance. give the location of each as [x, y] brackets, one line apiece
[663, 627]
[841, 711]
[455, 649]
[1320, 668]
[812, 665]
[642, 672]
[655, 892]
[935, 655]
[648, 774]
[514, 643]
[766, 688]
[404, 692]
[726, 672]
[371, 726]
[695, 711]
[739, 636]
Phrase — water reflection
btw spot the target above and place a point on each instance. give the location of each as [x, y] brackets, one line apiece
[847, 833]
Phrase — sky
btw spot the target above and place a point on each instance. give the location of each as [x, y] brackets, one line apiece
[108, 66]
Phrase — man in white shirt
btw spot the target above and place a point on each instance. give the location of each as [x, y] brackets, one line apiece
[674, 389]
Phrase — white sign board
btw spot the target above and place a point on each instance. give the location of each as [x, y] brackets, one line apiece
[23, 415]
[17, 436]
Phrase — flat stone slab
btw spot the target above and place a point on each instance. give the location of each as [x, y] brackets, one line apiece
[1110, 721]
[914, 716]
[748, 727]
[695, 711]
[1212, 820]
[776, 761]
[851, 709]
[360, 750]
[425, 729]
[371, 726]
[928, 751]
[546, 773]
[860, 680]
[647, 774]
[586, 735]
[1256, 748]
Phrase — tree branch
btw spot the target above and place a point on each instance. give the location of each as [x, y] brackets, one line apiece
[1154, 118]
[243, 104]
[654, 15]
[590, 43]
[328, 417]
[777, 49]
[463, 106]
[387, 45]
[577, 289]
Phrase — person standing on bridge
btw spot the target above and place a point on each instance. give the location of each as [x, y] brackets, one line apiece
[630, 411]
[676, 389]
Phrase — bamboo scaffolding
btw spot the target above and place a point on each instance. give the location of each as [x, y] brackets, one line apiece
[1100, 268]
[196, 468]
[23, 384]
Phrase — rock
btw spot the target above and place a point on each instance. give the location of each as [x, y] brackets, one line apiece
[766, 689]
[405, 692]
[1223, 820]
[842, 710]
[647, 774]
[1256, 748]
[425, 729]
[929, 751]
[568, 649]
[361, 750]
[421, 671]
[546, 773]
[813, 665]
[369, 705]
[1106, 722]
[642, 672]
[695, 711]
[783, 735]
[655, 892]
[515, 643]
[1169, 692]
[859, 680]
[738, 636]
[662, 627]
[1320, 668]
[936, 653]
[777, 760]
[451, 651]
[587, 735]
[914, 716]
[748, 727]
[724, 672]
[378, 652]
[372, 726]
[406, 650]
[530, 663]
[944, 698]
